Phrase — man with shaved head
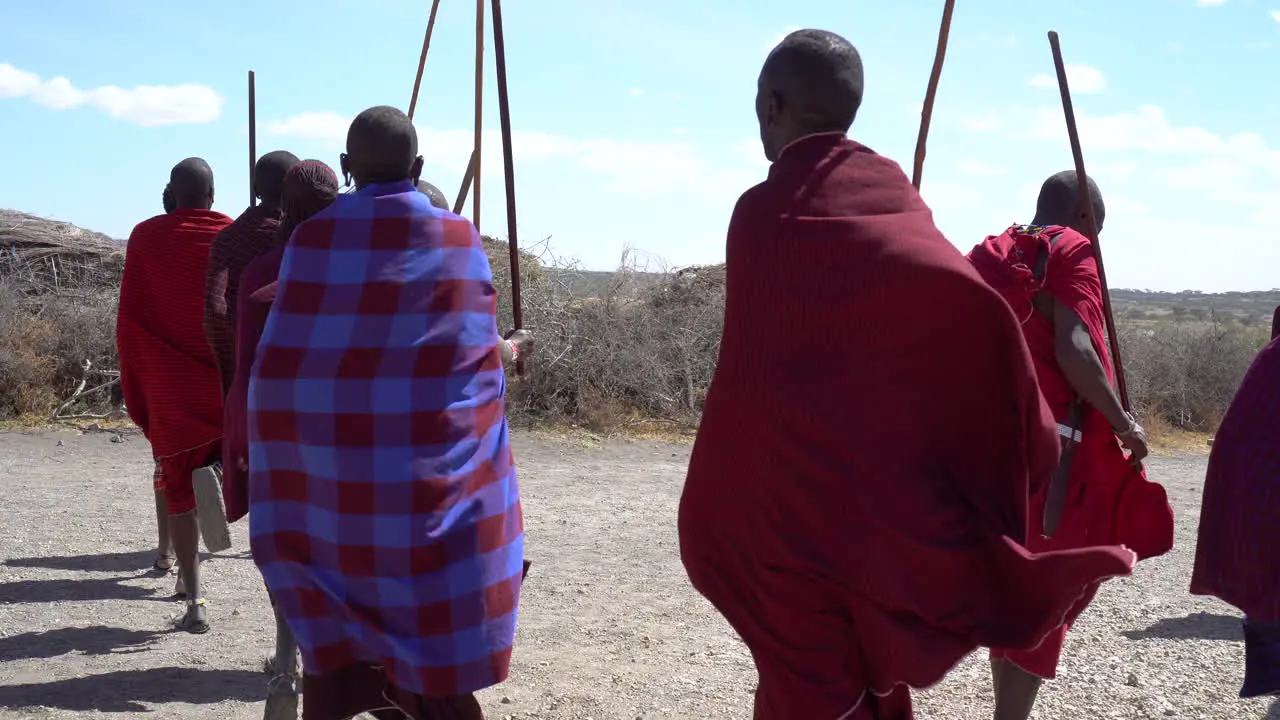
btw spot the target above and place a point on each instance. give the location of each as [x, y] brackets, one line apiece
[167, 369]
[856, 500]
[377, 431]
[1049, 275]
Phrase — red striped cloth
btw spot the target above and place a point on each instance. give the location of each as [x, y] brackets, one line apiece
[167, 370]
[251, 235]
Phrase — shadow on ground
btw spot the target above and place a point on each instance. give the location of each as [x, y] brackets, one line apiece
[51, 591]
[132, 691]
[96, 640]
[124, 562]
[1196, 626]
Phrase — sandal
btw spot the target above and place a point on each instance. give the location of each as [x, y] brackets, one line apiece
[282, 699]
[165, 563]
[191, 621]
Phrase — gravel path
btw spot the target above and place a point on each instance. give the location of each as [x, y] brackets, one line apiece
[609, 626]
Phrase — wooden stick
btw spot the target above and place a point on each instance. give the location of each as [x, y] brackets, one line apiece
[926, 115]
[1091, 225]
[422, 59]
[466, 185]
[508, 169]
[253, 142]
[475, 158]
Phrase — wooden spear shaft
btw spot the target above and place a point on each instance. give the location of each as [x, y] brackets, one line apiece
[253, 141]
[461, 201]
[1091, 225]
[479, 120]
[508, 167]
[926, 114]
[422, 59]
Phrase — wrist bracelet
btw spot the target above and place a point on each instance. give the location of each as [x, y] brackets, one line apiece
[515, 351]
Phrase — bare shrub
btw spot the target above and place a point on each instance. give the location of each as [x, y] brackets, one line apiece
[640, 347]
[1184, 374]
[51, 346]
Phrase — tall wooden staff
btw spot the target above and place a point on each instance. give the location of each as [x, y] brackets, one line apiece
[508, 169]
[1091, 225]
[253, 141]
[926, 115]
[422, 59]
[479, 125]
[472, 174]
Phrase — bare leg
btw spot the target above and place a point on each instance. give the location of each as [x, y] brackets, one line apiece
[164, 546]
[186, 541]
[286, 648]
[282, 691]
[1015, 690]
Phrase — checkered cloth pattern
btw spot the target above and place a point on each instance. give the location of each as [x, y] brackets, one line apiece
[384, 509]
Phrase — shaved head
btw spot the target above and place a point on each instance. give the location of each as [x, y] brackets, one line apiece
[382, 146]
[433, 193]
[191, 182]
[810, 83]
[1060, 202]
[268, 175]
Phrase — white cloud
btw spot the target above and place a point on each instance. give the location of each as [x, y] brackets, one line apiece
[629, 165]
[1084, 79]
[145, 105]
[979, 169]
[636, 92]
[1148, 129]
[1275, 15]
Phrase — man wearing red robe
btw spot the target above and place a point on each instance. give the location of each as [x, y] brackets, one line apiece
[1048, 273]
[167, 369]
[856, 503]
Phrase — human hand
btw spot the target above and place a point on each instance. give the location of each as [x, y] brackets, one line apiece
[521, 341]
[1134, 439]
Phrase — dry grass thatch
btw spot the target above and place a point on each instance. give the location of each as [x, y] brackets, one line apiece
[41, 255]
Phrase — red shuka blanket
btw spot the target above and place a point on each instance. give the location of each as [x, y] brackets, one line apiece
[1109, 502]
[1238, 553]
[167, 370]
[256, 292]
[856, 502]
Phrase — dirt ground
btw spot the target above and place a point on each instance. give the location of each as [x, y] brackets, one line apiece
[609, 627]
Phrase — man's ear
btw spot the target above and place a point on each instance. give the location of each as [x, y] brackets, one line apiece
[415, 171]
[773, 107]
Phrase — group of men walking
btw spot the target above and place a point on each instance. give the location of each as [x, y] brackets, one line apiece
[905, 454]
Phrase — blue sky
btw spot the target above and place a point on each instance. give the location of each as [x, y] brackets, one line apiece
[634, 121]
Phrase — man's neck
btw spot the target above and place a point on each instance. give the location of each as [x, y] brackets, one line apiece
[362, 184]
[807, 135]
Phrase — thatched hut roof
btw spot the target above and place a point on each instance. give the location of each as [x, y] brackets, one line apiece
[43, 255]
